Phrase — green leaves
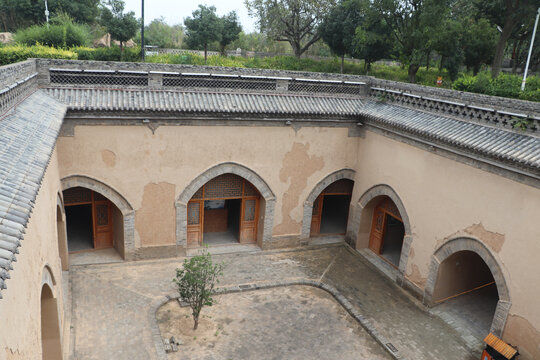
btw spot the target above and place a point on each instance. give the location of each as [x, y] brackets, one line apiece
[122, 26]
[195, 282]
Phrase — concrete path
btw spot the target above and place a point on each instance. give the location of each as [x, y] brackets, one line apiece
[112, 302]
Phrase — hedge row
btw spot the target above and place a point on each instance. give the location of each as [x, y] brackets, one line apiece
[506, 85]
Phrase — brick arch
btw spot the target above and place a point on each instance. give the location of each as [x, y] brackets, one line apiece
[458, 244]
[321, 185]
[225, 168]
[369, 199]
[116, 198]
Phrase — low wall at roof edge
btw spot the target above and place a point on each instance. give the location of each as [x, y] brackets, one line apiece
[446, 200]
[496, 102]
[20, 306]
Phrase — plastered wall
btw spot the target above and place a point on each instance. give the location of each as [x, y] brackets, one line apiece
[20, 335]
[151, 170]
[445, 199]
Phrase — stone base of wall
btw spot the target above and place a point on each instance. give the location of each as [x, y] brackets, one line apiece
[157, 252]
[281, 242]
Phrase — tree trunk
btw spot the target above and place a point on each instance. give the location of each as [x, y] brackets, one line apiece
[501, 45]
[413, 69]
[196, 322]
[342, 61]
[205, 51]
[427, 59]
[121, 50]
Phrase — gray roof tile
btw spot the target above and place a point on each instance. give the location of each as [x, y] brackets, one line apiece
[27, 138]
[205, 102]
[507, 146]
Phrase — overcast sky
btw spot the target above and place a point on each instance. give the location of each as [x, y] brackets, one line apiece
[174, 11]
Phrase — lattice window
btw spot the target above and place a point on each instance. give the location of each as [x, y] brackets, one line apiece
[214, 82]
[98, 78]
[249, 209]
[194, 210]
[198, 194]
[102, 215]
[322, 87]
[99, 197]
[391, 208]
[77, 195]
[223, 186]
[343, 186]
[249, 189]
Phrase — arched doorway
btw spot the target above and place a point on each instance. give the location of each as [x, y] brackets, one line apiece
[90, 220]
[331, 209]
[224, 210]
[466, 290]
[387, 232]
[50, 330]
[466, 283]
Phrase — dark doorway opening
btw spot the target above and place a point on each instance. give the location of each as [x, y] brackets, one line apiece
[221, 221]
[394, 233]
[79, 227]
[335, 211]
[466, 291]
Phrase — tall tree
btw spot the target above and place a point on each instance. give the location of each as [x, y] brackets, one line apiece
[413, 23]
[339, 26]
[203, 28]
[507, 15]
[231, 30]
[478, 43]
[294, 21]
[122, 26]
[372, 38]
[159, 33]
[18, 14]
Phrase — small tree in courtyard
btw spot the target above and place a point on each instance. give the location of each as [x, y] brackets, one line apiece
[122, 26]
[196, 281]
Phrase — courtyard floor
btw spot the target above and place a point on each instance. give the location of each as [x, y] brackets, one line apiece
[114, 305]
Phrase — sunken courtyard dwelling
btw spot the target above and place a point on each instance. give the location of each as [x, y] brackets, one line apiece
[438, 189]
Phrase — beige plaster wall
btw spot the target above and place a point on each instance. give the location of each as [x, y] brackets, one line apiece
[20, 308]
[445, 199]
[151, 170]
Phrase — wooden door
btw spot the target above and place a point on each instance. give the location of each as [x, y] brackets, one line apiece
[195, 217]
[248, 220]
[316, 216]
[103, 225]
[377, 230]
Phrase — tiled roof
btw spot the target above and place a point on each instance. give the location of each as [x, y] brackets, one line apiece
[205, 102]
[28, 135]
[521, 150]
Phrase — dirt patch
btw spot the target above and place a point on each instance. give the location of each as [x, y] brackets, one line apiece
[295, 322]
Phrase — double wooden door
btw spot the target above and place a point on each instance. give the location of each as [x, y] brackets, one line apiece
[380, 217]
[249, 214]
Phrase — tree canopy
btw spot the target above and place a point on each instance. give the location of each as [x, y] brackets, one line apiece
[203, 28]
[231, 30]
[294, 21]
[122, 26]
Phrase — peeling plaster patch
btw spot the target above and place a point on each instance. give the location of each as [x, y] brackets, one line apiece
[297, 167]
[416, 277]
[108, 157]
[155, 220]
[519, 331]
[492, 239]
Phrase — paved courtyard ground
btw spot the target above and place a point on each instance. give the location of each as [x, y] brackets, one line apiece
[114, 304]
[293, 322]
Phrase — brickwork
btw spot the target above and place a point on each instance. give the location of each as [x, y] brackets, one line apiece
[321, 185]
[114, 196]
[455, 245]
[225, 168]
[368, 198]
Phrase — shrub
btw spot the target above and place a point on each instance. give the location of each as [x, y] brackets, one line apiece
[108, 54]
[60, 35]
[15, 53]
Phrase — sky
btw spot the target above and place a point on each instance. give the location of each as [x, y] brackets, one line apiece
[174, 11]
